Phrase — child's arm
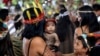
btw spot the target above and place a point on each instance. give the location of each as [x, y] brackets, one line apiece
[57, 42]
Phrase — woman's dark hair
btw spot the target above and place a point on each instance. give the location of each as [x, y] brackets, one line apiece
[89, 19]
[34, 29]
[83, 41]
[19, 23]
[63, 27]
[32, 13]
[95, 51]
[6, 47]
[5, 43]
[55, 15]
[1, 26]
[96, 7]
[3, 14]
[62, 8]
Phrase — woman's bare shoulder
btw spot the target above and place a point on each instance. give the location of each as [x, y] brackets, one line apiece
[38, 41]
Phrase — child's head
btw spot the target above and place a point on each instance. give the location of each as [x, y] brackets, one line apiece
[50, 26]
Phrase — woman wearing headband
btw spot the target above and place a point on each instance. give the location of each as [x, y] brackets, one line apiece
[33, 40]
[65, 32]
[88, 24]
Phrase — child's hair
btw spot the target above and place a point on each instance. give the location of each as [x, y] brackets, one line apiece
[50, 20]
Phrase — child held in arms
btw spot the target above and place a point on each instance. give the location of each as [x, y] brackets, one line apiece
[50, 35]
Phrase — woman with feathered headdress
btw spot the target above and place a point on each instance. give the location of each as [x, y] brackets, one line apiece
[33, 40]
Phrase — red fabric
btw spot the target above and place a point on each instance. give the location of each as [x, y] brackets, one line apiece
[34, 20]
[6, 2]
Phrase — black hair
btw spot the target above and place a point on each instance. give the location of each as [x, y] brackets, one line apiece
[77, 23]
[1, 25]
[96, 7]
[95, 51]
[55, 15]
[34, 29]
[89, 19]
[62, 27]
[62, 8]
[3, 14]
[6, 47]
[19, 23]
[5, 43]
[32, 13]
[83, 41]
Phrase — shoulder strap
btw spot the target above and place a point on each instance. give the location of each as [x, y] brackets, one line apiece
[44, 50]
[29, 47]
[82, 30]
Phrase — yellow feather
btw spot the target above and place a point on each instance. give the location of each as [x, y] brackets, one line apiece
[34, 5]
[22, 8]
[28, 14]
[40, 7]
[36, 12]
[27, 6]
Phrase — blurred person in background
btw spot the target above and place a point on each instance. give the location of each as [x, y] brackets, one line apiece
[65, 32]
[87, 24]
[56, 16]
[6, 47]
[96, 8]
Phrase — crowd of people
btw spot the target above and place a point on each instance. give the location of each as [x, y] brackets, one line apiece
[31, 33]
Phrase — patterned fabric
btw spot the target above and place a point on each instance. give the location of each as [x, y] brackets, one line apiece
[17, 45]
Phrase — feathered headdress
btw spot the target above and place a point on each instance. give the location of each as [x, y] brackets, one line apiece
[37, 11]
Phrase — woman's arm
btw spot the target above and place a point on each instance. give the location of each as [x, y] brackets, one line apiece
[40, 48]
